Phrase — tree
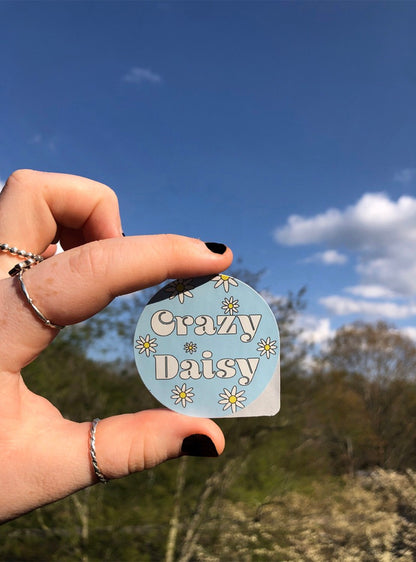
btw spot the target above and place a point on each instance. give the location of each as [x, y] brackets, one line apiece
[377, 351]
[376, 364]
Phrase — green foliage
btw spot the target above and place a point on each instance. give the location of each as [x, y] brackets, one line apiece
[83, 388]
[297, 486]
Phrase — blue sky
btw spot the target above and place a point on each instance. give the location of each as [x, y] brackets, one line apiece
[286, 130]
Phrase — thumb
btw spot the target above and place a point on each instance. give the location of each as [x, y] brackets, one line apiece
[123, 444]
[133, 442]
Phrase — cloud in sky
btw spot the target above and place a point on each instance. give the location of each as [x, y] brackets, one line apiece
[137, 75]
[409, 331]
[405, 176]
[329, 257]
[342, 306]
[39, 139]
[380, 232]
[371, 292]
[315, 331]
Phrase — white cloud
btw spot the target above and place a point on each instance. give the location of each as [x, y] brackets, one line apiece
[371, 292]
[137, 75]
[329, 257]
[40, 140]
[315, 331]
[409, 331]
[379, 231]
[341, 306]
[405, 176]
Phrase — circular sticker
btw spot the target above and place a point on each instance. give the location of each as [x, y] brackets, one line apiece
[209, 346]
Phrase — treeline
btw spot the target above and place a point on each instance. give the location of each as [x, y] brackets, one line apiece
[331, 477]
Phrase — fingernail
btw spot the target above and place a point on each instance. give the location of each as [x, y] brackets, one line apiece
[216, 247]
[123, 234]
[199, 446]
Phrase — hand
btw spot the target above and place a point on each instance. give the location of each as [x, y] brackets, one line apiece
[44, 457]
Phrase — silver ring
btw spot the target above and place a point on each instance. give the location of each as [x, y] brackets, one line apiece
[35, 309]
[27, 264]
[97, 470]
[22, 253]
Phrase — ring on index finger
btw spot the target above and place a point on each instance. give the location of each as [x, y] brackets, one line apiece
[18, 271]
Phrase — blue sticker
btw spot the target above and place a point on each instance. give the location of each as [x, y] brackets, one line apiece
[209, 347]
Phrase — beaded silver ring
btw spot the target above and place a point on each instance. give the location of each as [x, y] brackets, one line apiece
[21, 253]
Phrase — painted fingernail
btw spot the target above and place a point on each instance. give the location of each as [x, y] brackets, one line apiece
[123, 234]
[199, 446]
[216, 247]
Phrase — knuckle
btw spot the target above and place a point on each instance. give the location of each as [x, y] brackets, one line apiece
[171, 243]
[111, 194]
[26, 186]
[89, 260]
[168, 242]
[105, 192]
[167, 253]
[19, 178]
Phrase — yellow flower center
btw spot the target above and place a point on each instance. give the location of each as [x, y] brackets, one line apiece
[146, 344]
[230, 305]
[182, 394]
[267, 347]
[224, 277]
[232, 399]
[180, 287]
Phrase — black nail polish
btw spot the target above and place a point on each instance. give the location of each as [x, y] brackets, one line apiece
[216, 247]
[199, 446]
[123, 234]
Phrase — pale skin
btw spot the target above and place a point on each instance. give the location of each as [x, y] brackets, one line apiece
[44, 457]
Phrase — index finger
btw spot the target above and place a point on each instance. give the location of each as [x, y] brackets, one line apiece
[35, 206]
[73, 286]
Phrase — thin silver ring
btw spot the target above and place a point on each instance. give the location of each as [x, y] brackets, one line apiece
[97, 470]
[35, 309]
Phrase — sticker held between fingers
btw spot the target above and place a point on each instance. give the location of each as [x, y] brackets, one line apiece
[210, 347]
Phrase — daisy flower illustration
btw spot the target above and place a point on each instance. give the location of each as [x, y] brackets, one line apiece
[182, 394]
[225, 281]
[232, 399]
[180, 288]
[190, 347]
[146, 345]
[267, 347]
[230, 306]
